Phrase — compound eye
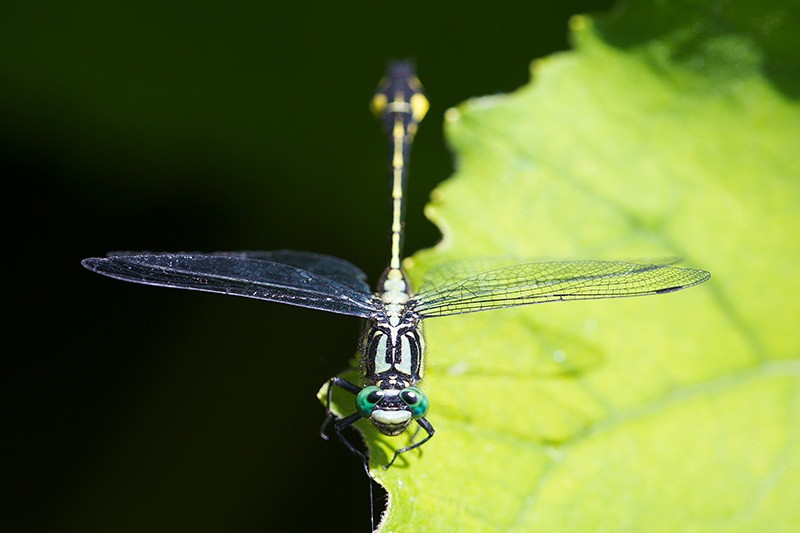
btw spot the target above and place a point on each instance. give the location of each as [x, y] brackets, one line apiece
[367, 399]
[416, 401]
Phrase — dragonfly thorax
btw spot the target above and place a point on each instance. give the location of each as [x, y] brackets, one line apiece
[393, 352]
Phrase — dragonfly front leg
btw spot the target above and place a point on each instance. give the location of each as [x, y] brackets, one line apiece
[343, 384]
[343, 422]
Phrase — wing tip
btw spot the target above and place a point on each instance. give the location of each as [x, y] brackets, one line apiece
[701, 277]
[91, 263]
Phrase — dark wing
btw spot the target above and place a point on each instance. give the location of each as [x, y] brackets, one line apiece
[551, 282]
[236, 275]
[333, 268]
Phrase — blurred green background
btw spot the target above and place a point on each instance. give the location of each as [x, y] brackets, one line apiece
[188, 126]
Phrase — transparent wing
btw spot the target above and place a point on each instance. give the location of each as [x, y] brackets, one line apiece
[238, 276]
[459, 269]
[551, 282]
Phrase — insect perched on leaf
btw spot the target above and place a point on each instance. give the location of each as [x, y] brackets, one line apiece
[392, 349]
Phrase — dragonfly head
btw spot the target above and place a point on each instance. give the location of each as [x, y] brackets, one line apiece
[391, 410]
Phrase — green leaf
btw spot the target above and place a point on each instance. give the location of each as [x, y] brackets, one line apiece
[672, 130]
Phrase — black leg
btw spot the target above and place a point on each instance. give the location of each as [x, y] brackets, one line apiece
[343, 423]
[343, 384]
[339, 426]
[424, 424]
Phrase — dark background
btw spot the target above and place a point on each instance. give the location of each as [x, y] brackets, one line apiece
[180, 126]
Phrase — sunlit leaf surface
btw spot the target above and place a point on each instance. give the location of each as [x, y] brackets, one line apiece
[670, 131]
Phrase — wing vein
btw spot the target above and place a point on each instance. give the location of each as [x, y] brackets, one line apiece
[550, 281]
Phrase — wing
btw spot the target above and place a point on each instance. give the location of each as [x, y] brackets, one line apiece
[236, 275]
[551, 282]
[453, 271]
[333, 268]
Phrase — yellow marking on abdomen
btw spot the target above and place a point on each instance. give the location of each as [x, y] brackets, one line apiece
[398, 164]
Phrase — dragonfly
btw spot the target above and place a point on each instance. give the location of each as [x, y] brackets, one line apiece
[392, 347]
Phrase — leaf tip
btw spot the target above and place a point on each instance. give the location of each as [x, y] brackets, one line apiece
[452, 115]
[577, 23]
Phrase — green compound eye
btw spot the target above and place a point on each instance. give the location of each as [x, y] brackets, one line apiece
[416, 400]
[367, 399]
